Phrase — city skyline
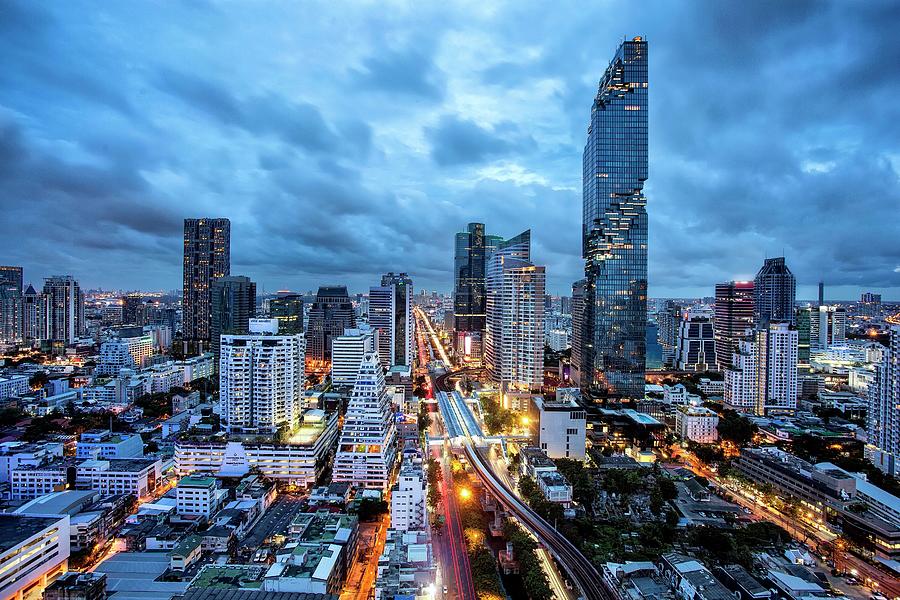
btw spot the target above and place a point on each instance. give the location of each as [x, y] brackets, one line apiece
[483, 136]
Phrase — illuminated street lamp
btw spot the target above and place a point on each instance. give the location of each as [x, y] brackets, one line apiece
[465, 494]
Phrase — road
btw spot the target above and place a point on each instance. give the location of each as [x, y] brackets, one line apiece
[360, 581]
[275, 520]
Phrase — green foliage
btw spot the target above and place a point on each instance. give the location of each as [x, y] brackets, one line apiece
[667, 488]
[10, 416]
[155, 405]
[434, 478]
[735, 428]
[370, 509]
[549, 511]
[622, 481]
[497, 419]
[38, 380]
[533, 577]
[577, 475]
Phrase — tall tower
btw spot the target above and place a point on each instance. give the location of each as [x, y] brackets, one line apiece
[207, 257]
[883, 442]
[232, 305]
[468, 285]
[330, 314]
[62, 309]
[288, 309]
[390, 314]
[774, 291]
[614, 232]
[734, 316]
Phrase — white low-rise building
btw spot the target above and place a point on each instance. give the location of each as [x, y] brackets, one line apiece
[555, 487]
[35, 550]
[697, 423]
[196, 496]
[11, 387]
[102, 443]
[562, 426]
[408, 499]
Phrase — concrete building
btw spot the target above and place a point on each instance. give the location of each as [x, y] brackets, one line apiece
[299, 461]
[331, 313]
[129, 348]
[776, 360]
[883, 440]
[62, 310]
[196, 496]
[697, 424]
[733, 317]
[557, 339]
[514, 327]
[741, 378]
[367, 449]
[232, 305]
[669, 320]
[406, 567]
[33, 551]
[347, 352]
[561, 426]
[261, 378]
[408, 499]
[75, 585]
[102, 443]
[207, 257]
[696, 345]
[828, 327]
[288, 309]
[14, 386]
[774, 292]
[390, 315]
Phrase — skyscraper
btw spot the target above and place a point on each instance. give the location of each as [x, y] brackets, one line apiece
[331, 313]
[614, 232]
[232, 305]
[11, 304]
[288, 309]
[207, 257]
[827, 327]
[514, 329]
[821, 293]
[734, 316]
[776, 362]
[468, 285]
[11, 279]
[261, 378]
[883, 441]
[774, 292]
[367, 448]
[390, 314]
[62, 310]
[347, 352]
[669, 320]
[580, 340]
[696, 348]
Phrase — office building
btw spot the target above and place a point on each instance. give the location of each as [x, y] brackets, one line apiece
[207, 257]
[232, 305]
[614, 228]
[62, 310]
[804, 319]
[11, 279]
[696, 347]
[196, 496]
[741, 377]
[132, 313]
[883, 441]
[31, 307]
[581, 347]
[733, 317]
[288, 309]
[774, 292]
[562, 425]
[408, 499]
[390, 314]
[776, 361]
[668, 323]
[34, 552]
[827, 327]
[469, 286]
[261, 378]
[557, 339]
[331, 313]
[514, 326]
[347, 352]
[103, 443]
[367, 448]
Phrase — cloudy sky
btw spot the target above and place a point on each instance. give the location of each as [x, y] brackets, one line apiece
[346, 140]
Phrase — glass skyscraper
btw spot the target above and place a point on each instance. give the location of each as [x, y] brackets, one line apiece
[615, 230]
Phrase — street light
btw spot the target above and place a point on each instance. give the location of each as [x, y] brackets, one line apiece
[465, 494]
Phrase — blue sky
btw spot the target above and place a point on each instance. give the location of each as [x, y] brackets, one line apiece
[347, 140]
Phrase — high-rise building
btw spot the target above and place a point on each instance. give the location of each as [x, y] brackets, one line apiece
[821, 293]
[469, 286]
[696, 349]
[804, 318]
[883, 440]
[232, 305]
[408, 499]
[31, 306]
[288, 309]
[828, 326]
[668, 321]
[62, 310]
[128, 348]
[741, 377]
[614, 231]
[261, 378]
[11, 279]
[367, 448]
[207, 257]
[734, 316]
[331, 313]
[347, 352]
[774, 292]
[514, 330]
[580, 339]
[390, 314]
[869, 304]
[776, 360]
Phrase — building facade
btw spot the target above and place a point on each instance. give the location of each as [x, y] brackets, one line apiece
[207, 257]
[347, 352]
[261, 378]
[774, 293]
[367, 449]
[288, 309]
[614, 229]
[331, 313]
[61, 310]
[696, 346]
[390, 314]
[232, 305]
[733, 317]
[776, 360]
[883, 441]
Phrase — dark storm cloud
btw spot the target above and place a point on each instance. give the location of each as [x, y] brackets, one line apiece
[352, 141]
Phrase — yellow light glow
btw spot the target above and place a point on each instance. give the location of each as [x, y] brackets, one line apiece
[465, 493]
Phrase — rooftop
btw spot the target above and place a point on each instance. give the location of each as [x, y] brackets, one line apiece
[191, 481]
[15, 529]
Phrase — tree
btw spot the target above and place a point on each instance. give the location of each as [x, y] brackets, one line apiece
[735, 428]
[38, 380]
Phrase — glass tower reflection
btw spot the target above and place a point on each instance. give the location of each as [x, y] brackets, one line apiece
[614, 232]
